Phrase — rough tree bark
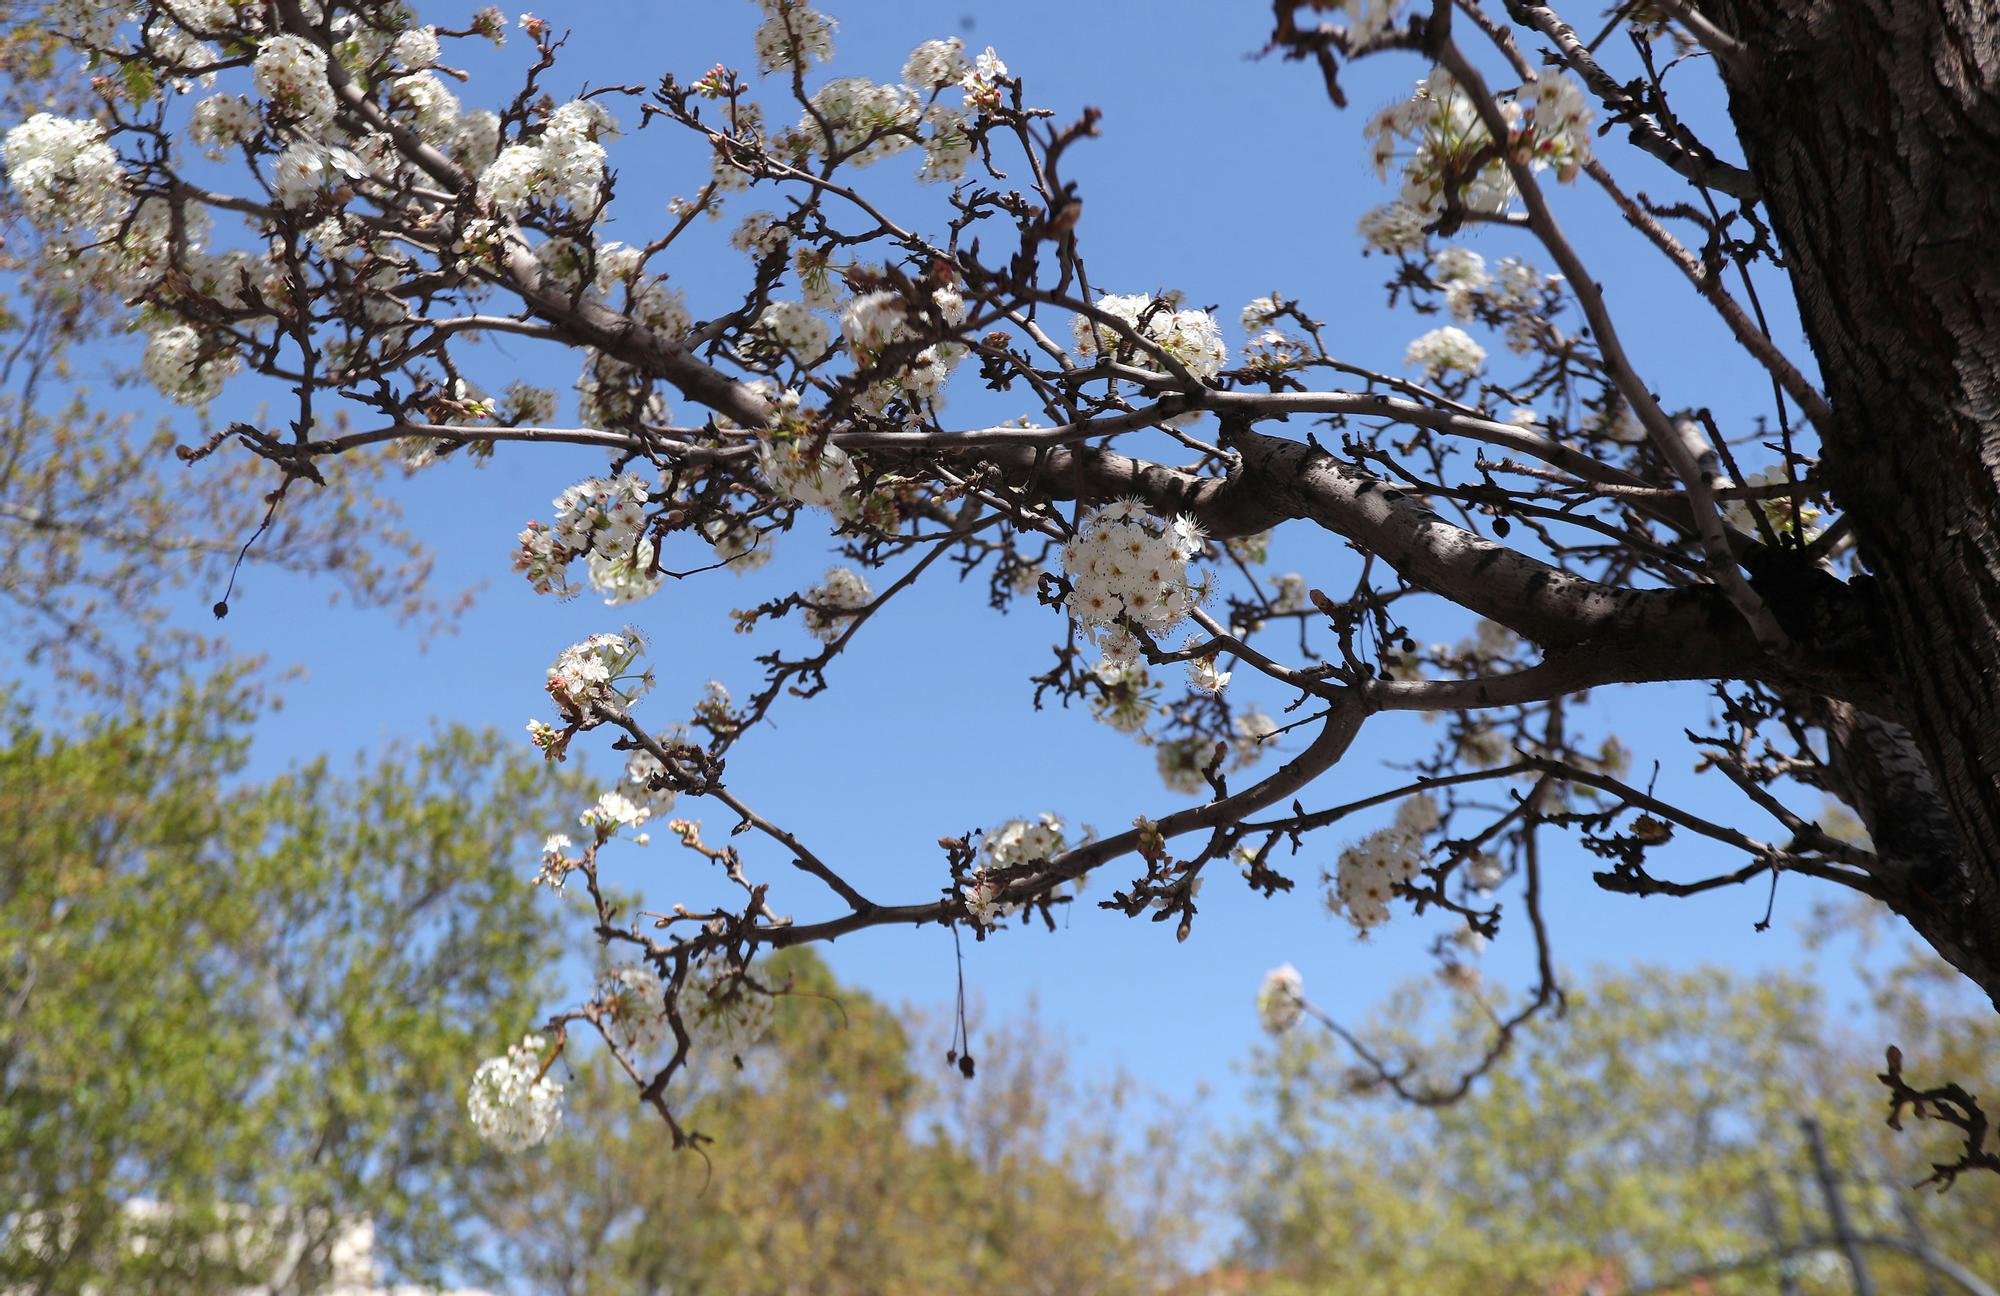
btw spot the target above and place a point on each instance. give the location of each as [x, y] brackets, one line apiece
[1872, 128]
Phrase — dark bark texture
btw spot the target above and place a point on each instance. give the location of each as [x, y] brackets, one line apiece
[1872, 128]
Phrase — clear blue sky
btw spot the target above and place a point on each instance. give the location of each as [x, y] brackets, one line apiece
[1217, 174]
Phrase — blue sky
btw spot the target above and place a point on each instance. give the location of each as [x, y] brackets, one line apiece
[1218, 174]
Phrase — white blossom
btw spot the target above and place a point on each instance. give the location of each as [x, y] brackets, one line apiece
[1125, 562]
[1189, 336]
[592, 675]
[183, 368]
[1443, 350]
[638, 1005]
[832, 603]
[221, 121]
[935, 64]
[290, 73]
[415, 49]
[795, 328]
[794, 26]
[614, 810]
[63, 171]
[1023, 841]
[795, 472]
[512, 1104]
[1393, 227]
[1370, 870]
[1280, 999]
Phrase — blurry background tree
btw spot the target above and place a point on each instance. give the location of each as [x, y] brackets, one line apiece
[253, 998]
[1649, 1132]
[847, 1162]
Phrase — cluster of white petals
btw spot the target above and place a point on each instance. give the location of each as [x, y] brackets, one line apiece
[1124, 563]
[513, 1105]
[592, 675]
[982, 899]
[220, 122]
[638, 1005]
[1370, 870]
[1437, 134]
[1445, 350]
[1022, 841]
[627, 576]
[1393, 227]
[794, 327]
[794, 34]
[642, 781]
[1519, 296]
[823, 477]
[415, 49]
[614, 810]
[63, 172]
[564, 165]
[601, 518]
[935, 64]
[184, 370]
[832, 603]
[290, 73]
[1281, 999]
[1191, 337]
[863, 122]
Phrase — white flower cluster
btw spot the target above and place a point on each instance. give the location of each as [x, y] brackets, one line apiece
[873, 321]
[587, 676]
[834, 601]
[175, 364]
[1205, 674]
[1191, 337]
[415, 49]
[1445, 350]
[982, 899]
[794, 327]
[1513, 290]
[637, 1002]
[1127, 698]
[513, 1105]
[1393, 227]
[221, 121]
[1438, 132]
[760, 235]
[627, 576]
[794, 34]
[862, 119]
[306, 172]
[1370, 870]
[1281, 999]
[1021, 841]
[1126, 563]
[795, 472]
[614, 810]
[642, 770]
[564, 165]
[290, 73]
[63, 172]
[602, 518]
[935, 64]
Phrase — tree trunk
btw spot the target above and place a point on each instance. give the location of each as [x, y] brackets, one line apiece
[1873, 130]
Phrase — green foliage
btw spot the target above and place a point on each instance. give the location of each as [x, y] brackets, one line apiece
[1650, 1132]
[838, 1167]
[253, 1005]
